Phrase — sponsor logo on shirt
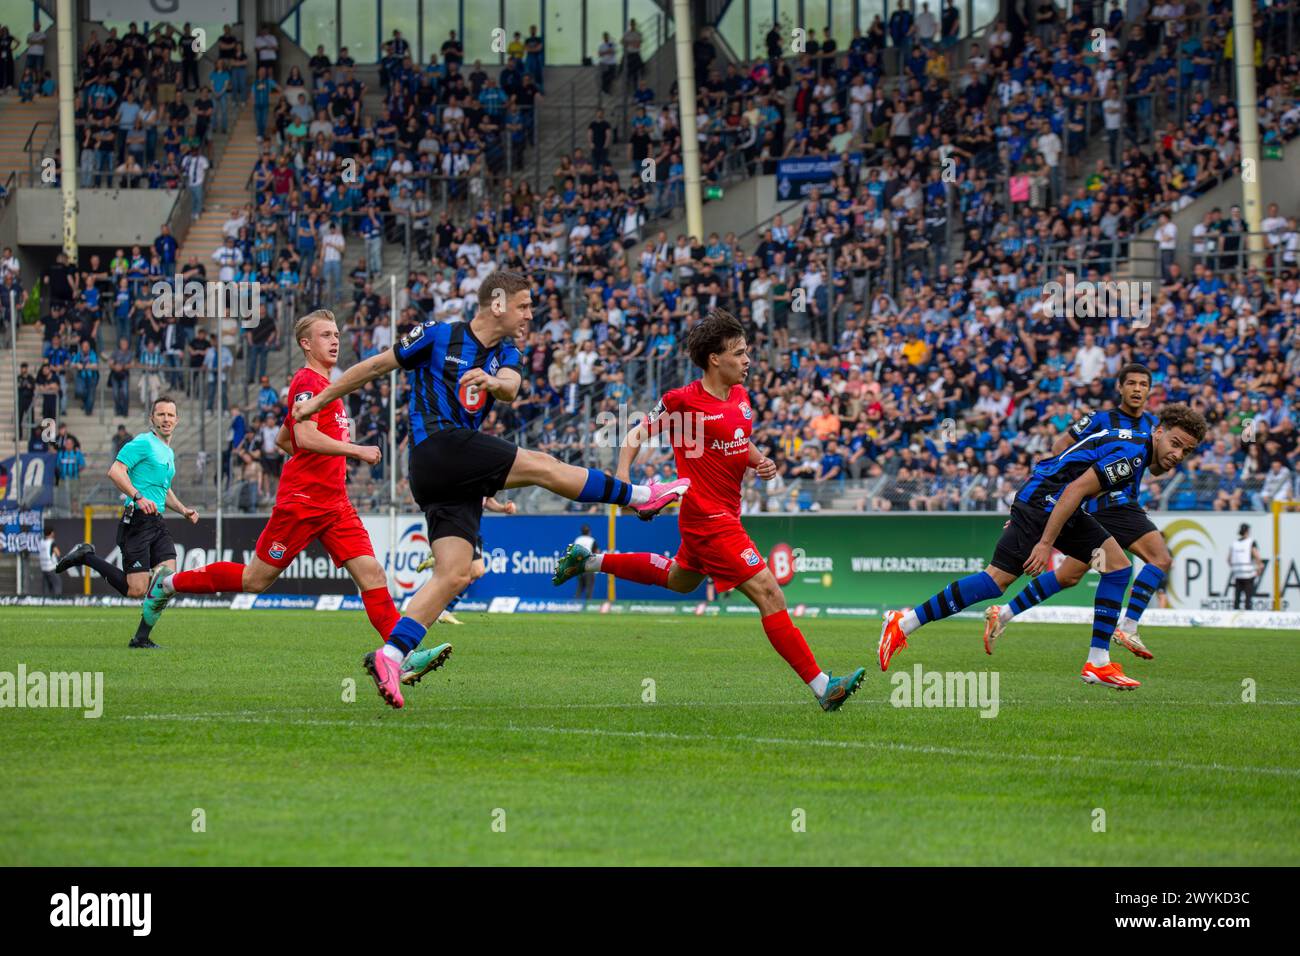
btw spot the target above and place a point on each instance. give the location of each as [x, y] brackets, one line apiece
[302, 397]
[411, 336]
[738, 447]
[1118, 471]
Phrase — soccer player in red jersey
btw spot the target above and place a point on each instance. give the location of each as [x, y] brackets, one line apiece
[709, 423]
[311, 503]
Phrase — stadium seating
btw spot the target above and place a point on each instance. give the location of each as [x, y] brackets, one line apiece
[971, 177]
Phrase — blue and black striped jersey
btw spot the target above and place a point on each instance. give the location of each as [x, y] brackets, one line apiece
[435, 356]
[1118, 458]
[1113, 420]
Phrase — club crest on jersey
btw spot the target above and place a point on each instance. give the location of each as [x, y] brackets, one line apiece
[746, 410]
[276, 550]
[750, 557]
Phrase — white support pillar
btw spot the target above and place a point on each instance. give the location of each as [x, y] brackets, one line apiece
[1243, 48]
[686, 109]
[65, 28]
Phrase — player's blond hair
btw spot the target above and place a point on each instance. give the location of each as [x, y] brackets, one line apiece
[302, 328]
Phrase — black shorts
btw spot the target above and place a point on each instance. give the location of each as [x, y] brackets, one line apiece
[1081, 536]
[452, 472]
[144, 542]
[1126, 522]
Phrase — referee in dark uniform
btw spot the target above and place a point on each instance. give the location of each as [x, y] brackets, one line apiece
[143, 472]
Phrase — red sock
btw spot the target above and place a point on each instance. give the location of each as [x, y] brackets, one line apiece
[641, 567]
[209, 579]
[789, 643]
[381, 610]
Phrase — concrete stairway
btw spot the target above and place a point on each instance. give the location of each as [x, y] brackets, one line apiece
[227, 188]
[16, 122]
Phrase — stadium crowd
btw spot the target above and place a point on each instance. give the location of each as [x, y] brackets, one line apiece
[906, 354]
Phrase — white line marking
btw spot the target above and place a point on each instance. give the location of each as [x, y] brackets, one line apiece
[240, 717]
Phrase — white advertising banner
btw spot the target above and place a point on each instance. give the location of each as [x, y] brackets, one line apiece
[1199, 542]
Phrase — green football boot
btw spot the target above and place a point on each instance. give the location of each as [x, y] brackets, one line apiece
[155, 598]
[571, 565]
[423, 661]
[840, 689]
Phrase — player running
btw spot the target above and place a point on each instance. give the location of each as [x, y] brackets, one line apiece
[456, 372]
[311, 503]
[709, 423]
[1047, 512]
[143, 472]
[1118, 512]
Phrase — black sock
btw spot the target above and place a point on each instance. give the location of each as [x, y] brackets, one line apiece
[142, 630]
[114, 575]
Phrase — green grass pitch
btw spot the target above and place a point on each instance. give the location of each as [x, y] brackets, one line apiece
[535, 746]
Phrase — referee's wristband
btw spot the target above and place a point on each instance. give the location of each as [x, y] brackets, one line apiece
[137, 496]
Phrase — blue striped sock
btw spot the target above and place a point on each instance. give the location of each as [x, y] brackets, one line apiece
[407, 635]
[960, 594]
[601, 486]
[1105, 607]
[1148, 582]
[1036, 592]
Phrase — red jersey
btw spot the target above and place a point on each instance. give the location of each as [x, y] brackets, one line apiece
[310, 476]
[710, 439]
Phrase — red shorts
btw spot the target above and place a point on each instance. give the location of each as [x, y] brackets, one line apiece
[723, 551]
[294, 526]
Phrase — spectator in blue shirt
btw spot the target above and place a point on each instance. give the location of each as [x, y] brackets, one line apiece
[220, 81]
[87, 382]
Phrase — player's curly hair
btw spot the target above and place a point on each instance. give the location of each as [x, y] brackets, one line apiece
[1184, 417]
[710, 335]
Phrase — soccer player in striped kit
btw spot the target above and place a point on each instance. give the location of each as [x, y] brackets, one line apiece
[1047, 513]
[1117, 511]
[456, 372]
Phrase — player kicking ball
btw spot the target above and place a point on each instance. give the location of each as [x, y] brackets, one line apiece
[709, 423]
[311, 503]
[456, 371]
[1118, 512]
[1048, 512]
